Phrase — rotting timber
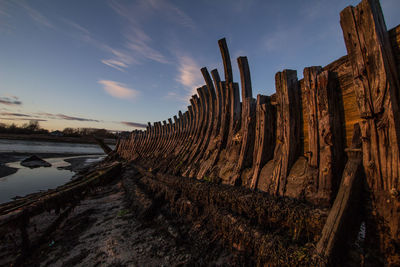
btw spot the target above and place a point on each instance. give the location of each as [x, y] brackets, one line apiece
[296, 144]
[307, 176]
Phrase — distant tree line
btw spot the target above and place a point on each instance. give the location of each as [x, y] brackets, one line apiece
[33, 127]
[82, 132]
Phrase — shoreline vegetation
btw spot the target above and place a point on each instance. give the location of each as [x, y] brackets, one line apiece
[33, 132]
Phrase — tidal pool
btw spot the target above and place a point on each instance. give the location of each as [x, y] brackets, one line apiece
[26, 181]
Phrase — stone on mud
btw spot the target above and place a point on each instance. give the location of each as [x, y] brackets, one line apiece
[34, 162]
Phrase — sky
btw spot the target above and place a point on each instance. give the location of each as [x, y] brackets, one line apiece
[118, 64]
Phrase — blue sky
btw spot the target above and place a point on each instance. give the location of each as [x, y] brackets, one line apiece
[119, 64]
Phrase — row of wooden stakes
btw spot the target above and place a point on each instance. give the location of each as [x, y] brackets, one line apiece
[294, 142]
[218, 131]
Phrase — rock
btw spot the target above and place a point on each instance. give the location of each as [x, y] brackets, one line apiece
[35, 162]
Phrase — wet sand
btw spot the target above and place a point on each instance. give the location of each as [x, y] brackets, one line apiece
[104, 230]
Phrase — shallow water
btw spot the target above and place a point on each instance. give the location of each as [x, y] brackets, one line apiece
[27, 146]
[26, 181]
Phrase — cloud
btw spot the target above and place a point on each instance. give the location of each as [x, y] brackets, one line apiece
[22, 119]
[14, 114]
[173, 13]
[35, 15]
[189, 72]
[10, 101]
[134, 124]
[69, 118]
[64, 117]
[138, 44]
[114, 63]
[118, 90]
[120, 60]
[189, 76]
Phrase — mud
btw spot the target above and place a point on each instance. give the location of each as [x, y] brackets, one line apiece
[144, 218]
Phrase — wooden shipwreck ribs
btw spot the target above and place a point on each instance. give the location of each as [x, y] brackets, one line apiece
[294, 143]
[286, 179]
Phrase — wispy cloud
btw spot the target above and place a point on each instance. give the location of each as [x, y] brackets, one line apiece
[189, 72]
[38, 17]
[64, 117]
[134, 124]
[14, 114]
[173, 13]
[10, 101]
[189, 76]
[22, 119]
[114, 63]
[120, 61]
[118, 90]
[139, 43]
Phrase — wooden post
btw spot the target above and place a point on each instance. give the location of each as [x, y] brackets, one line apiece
[225, 115]
[341, 214]
[247, 142]
[377, 90]
[226, 59]
[264, 136]
[234, 120]
[287, 148]
[310, 94]
[248, 120]
[331, 144]
[245, 78]
[219, 104]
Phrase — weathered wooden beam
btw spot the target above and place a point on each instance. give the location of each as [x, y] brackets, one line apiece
[226, 59]
[341, 216]
[204, 125]
[310, 94]
[225, 114]
[245, 78]
[211, 102]
[331, 144]
[287, 148]
[376, 85]
[264, 136]
[248, 136]
[235, 111]
[219, 101]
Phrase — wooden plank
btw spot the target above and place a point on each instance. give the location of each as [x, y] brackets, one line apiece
[330, 137]
[225, 115]
[248, 133]
[287, 148]
[226, 59]
[245, 78]
[264, 136]
[341, 213]
[376, 86]
[219, 101]
[234, 112]
[310, 95]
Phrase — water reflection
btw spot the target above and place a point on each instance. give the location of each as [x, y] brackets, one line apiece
[26, 180]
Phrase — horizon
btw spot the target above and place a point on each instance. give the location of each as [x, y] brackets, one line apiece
[112, 66]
